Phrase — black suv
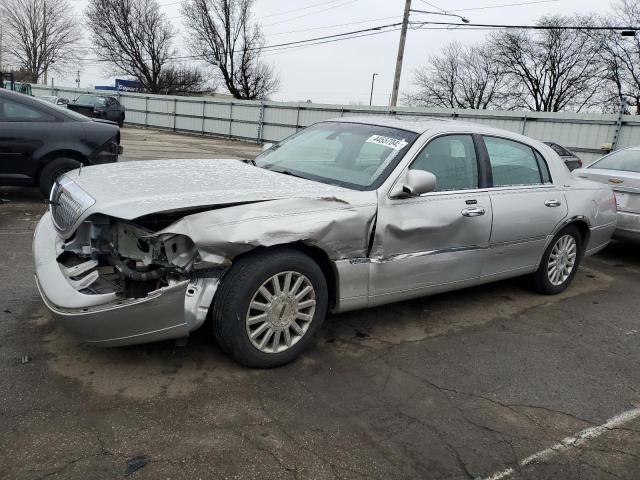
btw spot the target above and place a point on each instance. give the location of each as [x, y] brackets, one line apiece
[40, 141]
[99, 106]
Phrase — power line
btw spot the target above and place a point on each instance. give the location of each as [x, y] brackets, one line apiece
[302, 8]
[531, 27]
[502, 6]
[333, 26]
[433, 6]
[311, 13]
[393, 27]
[286, 44]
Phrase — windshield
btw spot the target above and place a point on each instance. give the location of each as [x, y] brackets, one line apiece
[62, 109]
[624, 160]
[347, 154]
[92, 100]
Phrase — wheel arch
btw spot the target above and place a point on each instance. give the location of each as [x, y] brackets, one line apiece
[318, 255]
[580, 222]
[63, 153]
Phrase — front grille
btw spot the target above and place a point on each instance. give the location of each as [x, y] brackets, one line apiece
[68, 203]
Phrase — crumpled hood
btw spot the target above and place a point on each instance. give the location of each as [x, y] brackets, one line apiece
[130, 190]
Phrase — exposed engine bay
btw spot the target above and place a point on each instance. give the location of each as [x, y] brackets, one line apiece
[108, 255]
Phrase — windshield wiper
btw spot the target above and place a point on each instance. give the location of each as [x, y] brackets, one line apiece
[288, 172]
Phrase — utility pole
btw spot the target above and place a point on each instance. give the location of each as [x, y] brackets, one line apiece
[1, 49]
[373, 79]
[403, 38]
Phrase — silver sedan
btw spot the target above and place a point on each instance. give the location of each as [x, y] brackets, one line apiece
[621, 171]
[345, 214]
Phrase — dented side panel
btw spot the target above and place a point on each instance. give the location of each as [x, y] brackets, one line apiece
[337, 225]
[421, 243]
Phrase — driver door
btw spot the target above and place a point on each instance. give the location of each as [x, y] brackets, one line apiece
[436, 241]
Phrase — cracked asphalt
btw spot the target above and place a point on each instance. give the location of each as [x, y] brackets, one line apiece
[458, 386]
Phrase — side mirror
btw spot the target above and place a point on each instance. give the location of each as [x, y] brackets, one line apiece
[266, 146]
[418, 182]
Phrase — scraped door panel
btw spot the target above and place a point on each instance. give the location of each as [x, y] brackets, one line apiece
[429, 244]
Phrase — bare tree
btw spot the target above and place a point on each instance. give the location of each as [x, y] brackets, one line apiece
[223, 35]
[178, 80]
[550, 70]
[135, 37]
[621, 56]
[42, 35]
[459, 77]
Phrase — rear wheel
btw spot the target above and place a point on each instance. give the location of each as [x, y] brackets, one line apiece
[560, 262]
[269, 307]
[121, 121]
[54, 169]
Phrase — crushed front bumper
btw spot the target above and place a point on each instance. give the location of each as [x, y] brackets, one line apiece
[109, 320]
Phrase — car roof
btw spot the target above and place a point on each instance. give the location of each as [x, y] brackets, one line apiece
[421, 124]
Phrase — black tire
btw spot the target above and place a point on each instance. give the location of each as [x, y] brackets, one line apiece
[231, 304]
[121, 121]
[52, 170]
[541, 278]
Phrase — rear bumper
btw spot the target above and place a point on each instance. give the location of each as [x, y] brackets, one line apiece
[109, 320]
[599, 237]
[628, 227]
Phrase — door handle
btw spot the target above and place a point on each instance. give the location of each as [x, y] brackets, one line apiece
[552, 203]
[473, 211]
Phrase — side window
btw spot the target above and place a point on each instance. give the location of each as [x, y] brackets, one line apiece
[452, 159]
[15, 112]
[514, 163]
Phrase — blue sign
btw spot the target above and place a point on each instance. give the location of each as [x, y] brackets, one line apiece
[128, 85]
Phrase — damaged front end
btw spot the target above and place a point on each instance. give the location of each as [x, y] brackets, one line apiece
[125, 258]
[114, 282]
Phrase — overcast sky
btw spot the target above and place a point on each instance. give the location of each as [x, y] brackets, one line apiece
[341, 72]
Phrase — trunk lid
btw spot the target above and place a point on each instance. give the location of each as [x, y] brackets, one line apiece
[625, 185]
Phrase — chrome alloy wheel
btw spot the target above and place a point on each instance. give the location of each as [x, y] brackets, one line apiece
[562, 260]
[280, 312]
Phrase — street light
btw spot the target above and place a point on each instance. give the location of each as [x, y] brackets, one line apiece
[373, 79]
[464, 19]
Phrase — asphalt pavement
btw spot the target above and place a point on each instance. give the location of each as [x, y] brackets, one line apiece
[489, 382]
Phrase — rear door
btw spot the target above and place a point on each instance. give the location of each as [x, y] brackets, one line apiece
[527, 207]
[23, 129]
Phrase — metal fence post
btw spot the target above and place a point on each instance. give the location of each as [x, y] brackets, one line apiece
[616, 133]
[175, 112]
[524, 124]
[146, 111]
[230, 118]
[297, 117]
[260, 122]
[204, 103]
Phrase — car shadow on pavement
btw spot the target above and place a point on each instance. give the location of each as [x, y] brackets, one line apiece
[28, 195]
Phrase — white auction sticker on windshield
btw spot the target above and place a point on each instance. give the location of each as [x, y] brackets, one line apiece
[395, 143]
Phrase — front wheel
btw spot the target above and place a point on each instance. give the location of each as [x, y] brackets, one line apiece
[53, 170]
[269, 307]
[560, 262]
